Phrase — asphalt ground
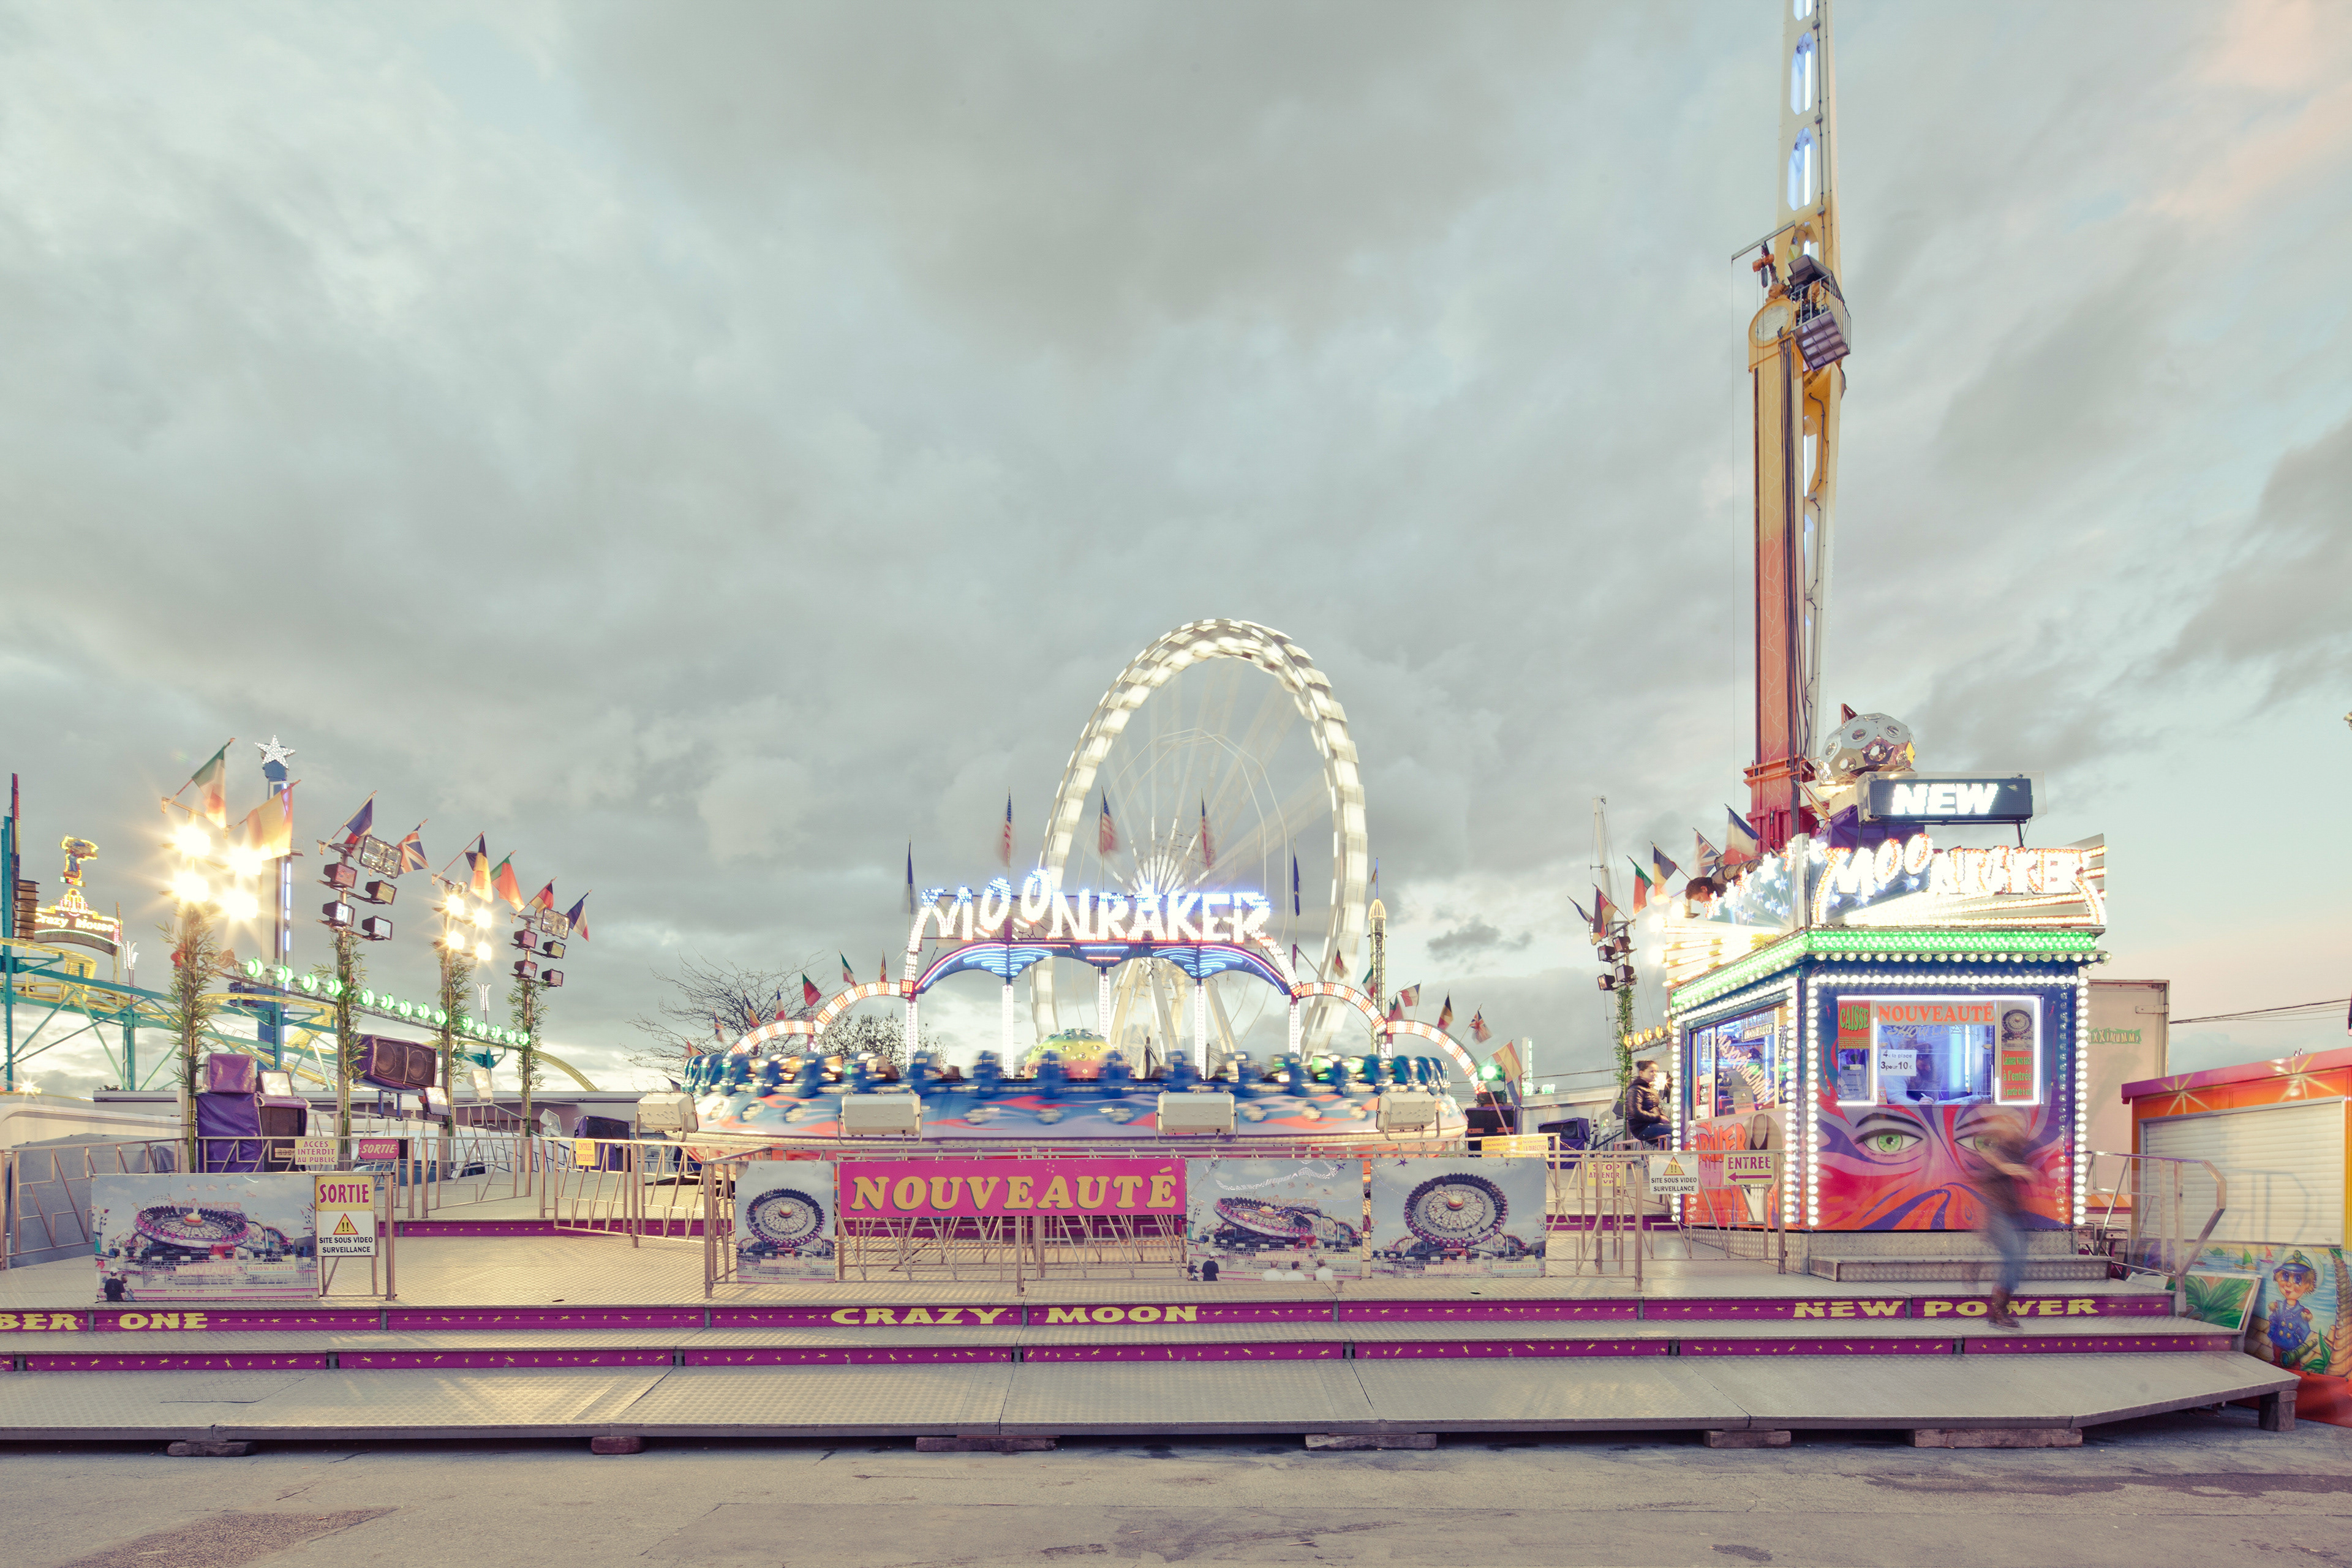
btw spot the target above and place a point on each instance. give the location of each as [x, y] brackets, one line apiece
[2168, 1489]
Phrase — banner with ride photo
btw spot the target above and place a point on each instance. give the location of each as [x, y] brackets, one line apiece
[203, 1238]
[1244, 1218]
[785, 1219]
[1442, 1218]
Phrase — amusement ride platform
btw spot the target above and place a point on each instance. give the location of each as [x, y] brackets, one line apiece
[590, 1337]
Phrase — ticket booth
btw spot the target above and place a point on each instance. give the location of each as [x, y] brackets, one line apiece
[1881, 1056]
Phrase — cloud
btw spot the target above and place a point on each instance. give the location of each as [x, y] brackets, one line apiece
[1476, 937]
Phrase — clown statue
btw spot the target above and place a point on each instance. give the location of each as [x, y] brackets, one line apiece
[2285, 1334]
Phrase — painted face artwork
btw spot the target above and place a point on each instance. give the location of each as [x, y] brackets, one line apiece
[1915, 1167]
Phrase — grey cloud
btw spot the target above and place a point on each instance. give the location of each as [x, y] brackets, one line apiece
[1474, 938]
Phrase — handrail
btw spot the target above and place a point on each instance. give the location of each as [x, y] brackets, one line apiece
[2183, 1253]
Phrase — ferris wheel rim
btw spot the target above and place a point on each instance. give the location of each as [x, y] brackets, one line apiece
[1311, 691]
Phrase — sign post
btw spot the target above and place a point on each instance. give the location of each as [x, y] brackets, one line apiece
[344, 1208]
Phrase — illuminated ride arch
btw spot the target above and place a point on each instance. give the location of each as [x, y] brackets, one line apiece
[1309, 690]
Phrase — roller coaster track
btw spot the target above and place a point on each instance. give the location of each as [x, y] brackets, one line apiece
[40, 977]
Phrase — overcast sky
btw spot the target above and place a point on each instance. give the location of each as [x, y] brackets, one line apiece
[705, 447]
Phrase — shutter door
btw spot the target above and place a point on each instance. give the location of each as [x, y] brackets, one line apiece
[2284, 1164]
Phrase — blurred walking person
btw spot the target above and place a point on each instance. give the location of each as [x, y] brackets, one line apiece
[2001, 1179]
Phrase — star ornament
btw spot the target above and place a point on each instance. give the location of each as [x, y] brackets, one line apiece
[271, 751]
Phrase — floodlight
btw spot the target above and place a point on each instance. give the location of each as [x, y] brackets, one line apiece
[550, 948]
[339, 877]
[191, 888]
[240, 905]
[551, 977]
[526, 939]
[376, 928]
[338, 913]
[525, 969]
[482, 952]
[192, 841]
[380, 892]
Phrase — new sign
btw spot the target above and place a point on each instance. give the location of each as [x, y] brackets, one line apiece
[1946, 797]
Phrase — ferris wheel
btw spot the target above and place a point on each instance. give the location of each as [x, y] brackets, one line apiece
[1212, 776]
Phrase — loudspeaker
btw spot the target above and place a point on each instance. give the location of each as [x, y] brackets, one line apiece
[398, 1064]
[227, 1072]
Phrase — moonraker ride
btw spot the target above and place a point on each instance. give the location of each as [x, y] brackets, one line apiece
[1208, 801]
[1335, 1100]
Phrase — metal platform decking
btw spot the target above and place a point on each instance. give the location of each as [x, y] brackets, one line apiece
[1650, 1394]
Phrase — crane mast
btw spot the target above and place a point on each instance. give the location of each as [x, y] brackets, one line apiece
[1796, 344]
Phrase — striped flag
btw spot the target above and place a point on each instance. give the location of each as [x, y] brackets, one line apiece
[1105, 830]
[411, 850]
[477, 868]
[577, 917]
[1208, 844]
[503, 883]
[1294, 884]
[1741, 847]
[1004, 845]
[268, 829]
[810, 995]
[362, 820]
[1410, 996]
[848, 976]
[1640, 886]
[1478, 1030]
[212, 787]
[1506, 1056]
[1663, 867]
[1445, 1014]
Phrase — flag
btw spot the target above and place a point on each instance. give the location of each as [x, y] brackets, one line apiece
[268, 829]
[1410, 996]
[1506, 1056]
[212, 787]
[885, 975]
[1208, 845]
[1663, 867]
[577, 918]
[1396, 1009]
[502, 883]
[1297, 961]
[848, 976]
[411, 850]
[911, 879]
[362, 820]
[1478, 1030]
[1582, 913]
[1105, 830]
[1337, 970]
[1740, 847]
[544, 899]
[477, 868]
[810, 995]
[1641, 887]
[1005, 844]
[1600, 913]
[1294, 884]
[1445, 1014]
[1710, 859]
[716, 1030]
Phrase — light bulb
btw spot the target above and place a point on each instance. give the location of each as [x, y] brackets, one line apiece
[481, 915]
[242, 861]
[192, 841]
[456, 907]
[482, 952]
[240, 905]
[191, 888]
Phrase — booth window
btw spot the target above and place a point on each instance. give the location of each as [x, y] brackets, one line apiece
[1940, 1050]
[1736, 1065]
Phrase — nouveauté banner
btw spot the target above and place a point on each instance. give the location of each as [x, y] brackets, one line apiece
[932, 1189]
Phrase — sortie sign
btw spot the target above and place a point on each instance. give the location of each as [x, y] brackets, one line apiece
[927, 1189]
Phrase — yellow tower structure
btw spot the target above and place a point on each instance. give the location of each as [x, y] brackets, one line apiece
[1796, 342]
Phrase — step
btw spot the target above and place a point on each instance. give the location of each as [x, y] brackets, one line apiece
[1971, 1267]
[1015, 1399]
[394, 1351]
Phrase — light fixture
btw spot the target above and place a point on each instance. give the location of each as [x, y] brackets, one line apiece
[482, 952]
[455, 908]
[244, 861]
[192, 841]
[551, 977]
[240, 905]
[525, 969]
[339, 877]
[481, 915]
[380, 892]
[551, 949]
[526, 939]
[191, 888]
[376, 928]
[336, 913]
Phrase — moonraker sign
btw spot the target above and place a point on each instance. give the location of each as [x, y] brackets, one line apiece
[1142, 915]
[903, 1189]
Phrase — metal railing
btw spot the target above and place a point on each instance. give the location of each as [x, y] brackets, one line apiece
[2160, 1197]
[631, 1186]
[1603, 1196]
[1724, 1213]
[45, 1192]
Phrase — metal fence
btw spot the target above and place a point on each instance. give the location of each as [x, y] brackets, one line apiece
[46, 1192]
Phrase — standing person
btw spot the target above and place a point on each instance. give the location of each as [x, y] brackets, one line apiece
[2001, 1181]
[1643, 1118]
